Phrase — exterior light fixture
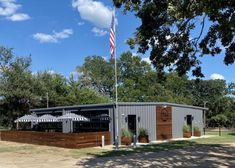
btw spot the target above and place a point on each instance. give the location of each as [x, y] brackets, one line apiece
[138, 118]
[165, 106]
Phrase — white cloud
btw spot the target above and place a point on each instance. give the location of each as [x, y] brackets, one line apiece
[44, 38]
[94, 11]
[34, 73]
[99, 32]
[63, 34]
[146, 59]
[105, 58]
[215, 76]
[19, 17]
[54, 37]
[80, 23]
[76, 74]
[51, 72]
[9, 8]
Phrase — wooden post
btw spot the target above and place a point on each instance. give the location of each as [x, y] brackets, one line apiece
[102, 140]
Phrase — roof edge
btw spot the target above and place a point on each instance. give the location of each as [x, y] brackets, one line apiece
[119, 103]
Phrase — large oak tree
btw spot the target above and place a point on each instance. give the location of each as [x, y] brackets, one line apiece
[176, 31]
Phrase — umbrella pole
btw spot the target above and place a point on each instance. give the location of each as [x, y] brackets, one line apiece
[17, 125]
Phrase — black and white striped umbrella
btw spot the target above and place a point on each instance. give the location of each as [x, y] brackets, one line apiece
[26, 118]
[73, 117]
[47, 118]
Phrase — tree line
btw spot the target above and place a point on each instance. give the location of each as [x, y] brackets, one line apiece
[138, 81]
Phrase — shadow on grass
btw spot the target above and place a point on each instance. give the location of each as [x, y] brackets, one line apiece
[123, 151]
[233, 134]
[188, 154]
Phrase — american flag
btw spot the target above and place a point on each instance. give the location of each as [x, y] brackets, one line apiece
[112, 38]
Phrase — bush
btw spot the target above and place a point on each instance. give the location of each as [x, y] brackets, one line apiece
[3, 128]
[126, 133]
[186, 128]
[142, 132]
[196, 128]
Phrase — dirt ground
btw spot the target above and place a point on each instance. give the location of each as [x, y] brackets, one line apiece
[203, 156]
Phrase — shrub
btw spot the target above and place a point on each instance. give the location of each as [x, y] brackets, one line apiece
[196, 128]
[186, 128]
[142, 132]
[126, 133]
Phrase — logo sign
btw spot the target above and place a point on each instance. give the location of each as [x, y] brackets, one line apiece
[164, 114]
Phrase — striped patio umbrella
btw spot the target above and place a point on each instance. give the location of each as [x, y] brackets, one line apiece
[73, 117]
[26, 118]
[47, 118]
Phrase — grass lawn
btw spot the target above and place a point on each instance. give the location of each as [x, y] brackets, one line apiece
[226, 137]
[11, 147]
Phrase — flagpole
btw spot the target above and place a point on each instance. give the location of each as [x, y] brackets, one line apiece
[112, 40]
[116, 90]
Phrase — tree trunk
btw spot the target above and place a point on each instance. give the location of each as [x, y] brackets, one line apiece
[219, 131]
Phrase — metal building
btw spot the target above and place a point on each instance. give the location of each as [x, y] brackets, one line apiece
[162, 120]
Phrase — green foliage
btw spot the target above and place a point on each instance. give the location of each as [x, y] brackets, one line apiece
[125, 132]
[98, 74]
[186, 128]
[168, 28]
[133, 82]
[53, 84]
[16, 85]
[196, 128]
[139, 82]
[220, 120]
[20, 89]
[142, 132]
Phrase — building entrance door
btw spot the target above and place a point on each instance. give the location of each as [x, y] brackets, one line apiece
[132, 123]
[189, 120]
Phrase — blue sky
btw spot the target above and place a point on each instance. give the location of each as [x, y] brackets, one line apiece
[59, 34]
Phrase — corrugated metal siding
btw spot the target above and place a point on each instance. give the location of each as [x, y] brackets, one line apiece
[147, 114]
[178, 114]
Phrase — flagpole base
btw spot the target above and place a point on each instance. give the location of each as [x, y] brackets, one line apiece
[116, 143]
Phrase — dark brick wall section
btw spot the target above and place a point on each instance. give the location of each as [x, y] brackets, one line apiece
[164, 122]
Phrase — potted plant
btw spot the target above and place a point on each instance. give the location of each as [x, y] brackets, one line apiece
[187, 131]
[126, 137]
[196, 131]
[143, 135]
